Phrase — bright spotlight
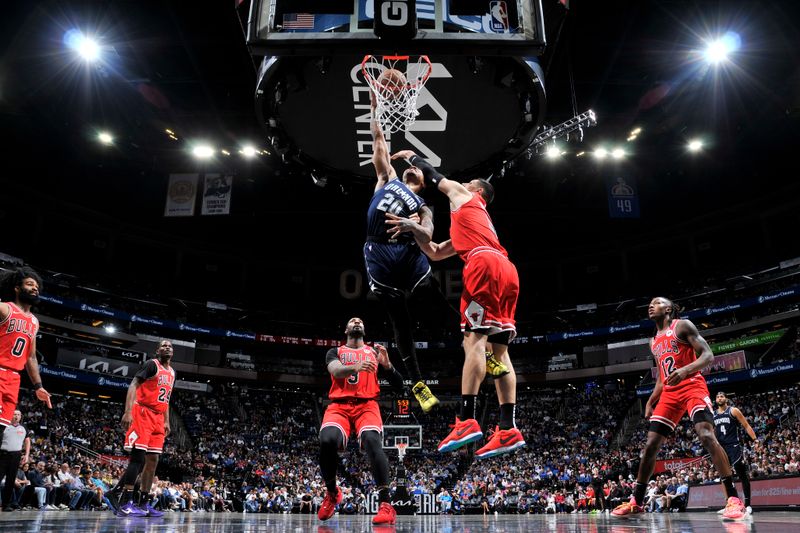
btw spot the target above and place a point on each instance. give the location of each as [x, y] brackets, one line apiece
[105, 137]
[202, 151]
[248, 151]
[618, 153]
[696, 145]
[718, 50]
[88, 49]
[110, 328]
[600, 153]
[553, 152]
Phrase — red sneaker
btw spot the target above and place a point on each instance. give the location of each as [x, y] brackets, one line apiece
[627, 508]
[502, 441]
[386, 514]
[328, 507]
[464, 432]
[734, 510]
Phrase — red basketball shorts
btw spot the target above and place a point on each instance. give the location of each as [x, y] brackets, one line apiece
[491, 289]
[673, 404]
[9, 392]
[146, 431]
[346, 417]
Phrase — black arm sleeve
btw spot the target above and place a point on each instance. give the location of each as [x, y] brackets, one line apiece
[431, 175]
[394, 377]
[148, 370]
[333, 355]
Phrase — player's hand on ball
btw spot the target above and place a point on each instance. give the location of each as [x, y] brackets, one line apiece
[44, 396]
[403, 154]
[676, 377]
[126, 421]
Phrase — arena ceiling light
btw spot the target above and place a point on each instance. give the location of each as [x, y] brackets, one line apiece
[86, 47]
[695, 145]
[248, 151]
[554, 152]
[110, 328]
[618, 153]
[600, 153]
[202, 151]
[105, 138]
[719, 50]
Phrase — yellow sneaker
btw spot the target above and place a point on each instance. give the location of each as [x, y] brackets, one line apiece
[425, 397]
[494, 367]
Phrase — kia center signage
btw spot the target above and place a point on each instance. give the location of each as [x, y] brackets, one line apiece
[94, 363]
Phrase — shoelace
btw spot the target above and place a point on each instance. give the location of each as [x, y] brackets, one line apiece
[425, 394]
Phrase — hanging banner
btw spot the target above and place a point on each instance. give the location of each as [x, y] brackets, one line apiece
[217, 194]
[181, 194]
[736, 344]
[623, 202]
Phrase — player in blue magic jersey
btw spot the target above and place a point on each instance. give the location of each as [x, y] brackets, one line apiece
[395, 264]
[729, 422]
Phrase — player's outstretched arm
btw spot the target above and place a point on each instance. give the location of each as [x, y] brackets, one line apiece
[655, 395]
[737, 414]
[455, 191]
[380, 153]
[32, 366]
[686, 331]
[437, 251]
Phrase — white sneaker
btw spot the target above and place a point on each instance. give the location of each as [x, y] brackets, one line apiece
[721, 511]
[748, 510]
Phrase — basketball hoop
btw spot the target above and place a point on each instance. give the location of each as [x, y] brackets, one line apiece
[401, 450]
[396, 81]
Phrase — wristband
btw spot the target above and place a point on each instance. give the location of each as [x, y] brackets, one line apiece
[37, 386]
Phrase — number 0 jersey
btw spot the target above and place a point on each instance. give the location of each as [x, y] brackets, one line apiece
[156, 389]
[17, 333]
[672, 353]
[362, 385]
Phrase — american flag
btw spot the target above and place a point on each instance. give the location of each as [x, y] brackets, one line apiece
[298, 21]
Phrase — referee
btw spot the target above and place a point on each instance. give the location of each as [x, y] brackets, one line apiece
[15, 437]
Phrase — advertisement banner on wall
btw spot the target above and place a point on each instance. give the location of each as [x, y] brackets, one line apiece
[778, 492]
[722, 363]
[675, 465]
[756, 340]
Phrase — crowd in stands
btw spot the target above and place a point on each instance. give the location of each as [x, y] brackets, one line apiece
[257, 450]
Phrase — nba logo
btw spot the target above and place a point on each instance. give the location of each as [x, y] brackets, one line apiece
[499, 16]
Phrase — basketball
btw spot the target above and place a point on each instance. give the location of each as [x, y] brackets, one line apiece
[391, 82]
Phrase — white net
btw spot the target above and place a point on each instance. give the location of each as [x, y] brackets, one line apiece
[395, 82]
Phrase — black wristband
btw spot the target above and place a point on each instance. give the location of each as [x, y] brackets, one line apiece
[37, 386]
[431, 176]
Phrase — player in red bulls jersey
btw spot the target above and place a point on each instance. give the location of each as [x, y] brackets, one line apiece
[679, 389]
[488, 302]
[146, 422]
[353, 367]
[19, 290]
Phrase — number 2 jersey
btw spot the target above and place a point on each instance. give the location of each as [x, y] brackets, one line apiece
[156, 387]
[362, 385]
[673, 353]
[396, 198]
[17, 333]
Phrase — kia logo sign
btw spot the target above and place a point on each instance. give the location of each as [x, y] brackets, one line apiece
[396, 19]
